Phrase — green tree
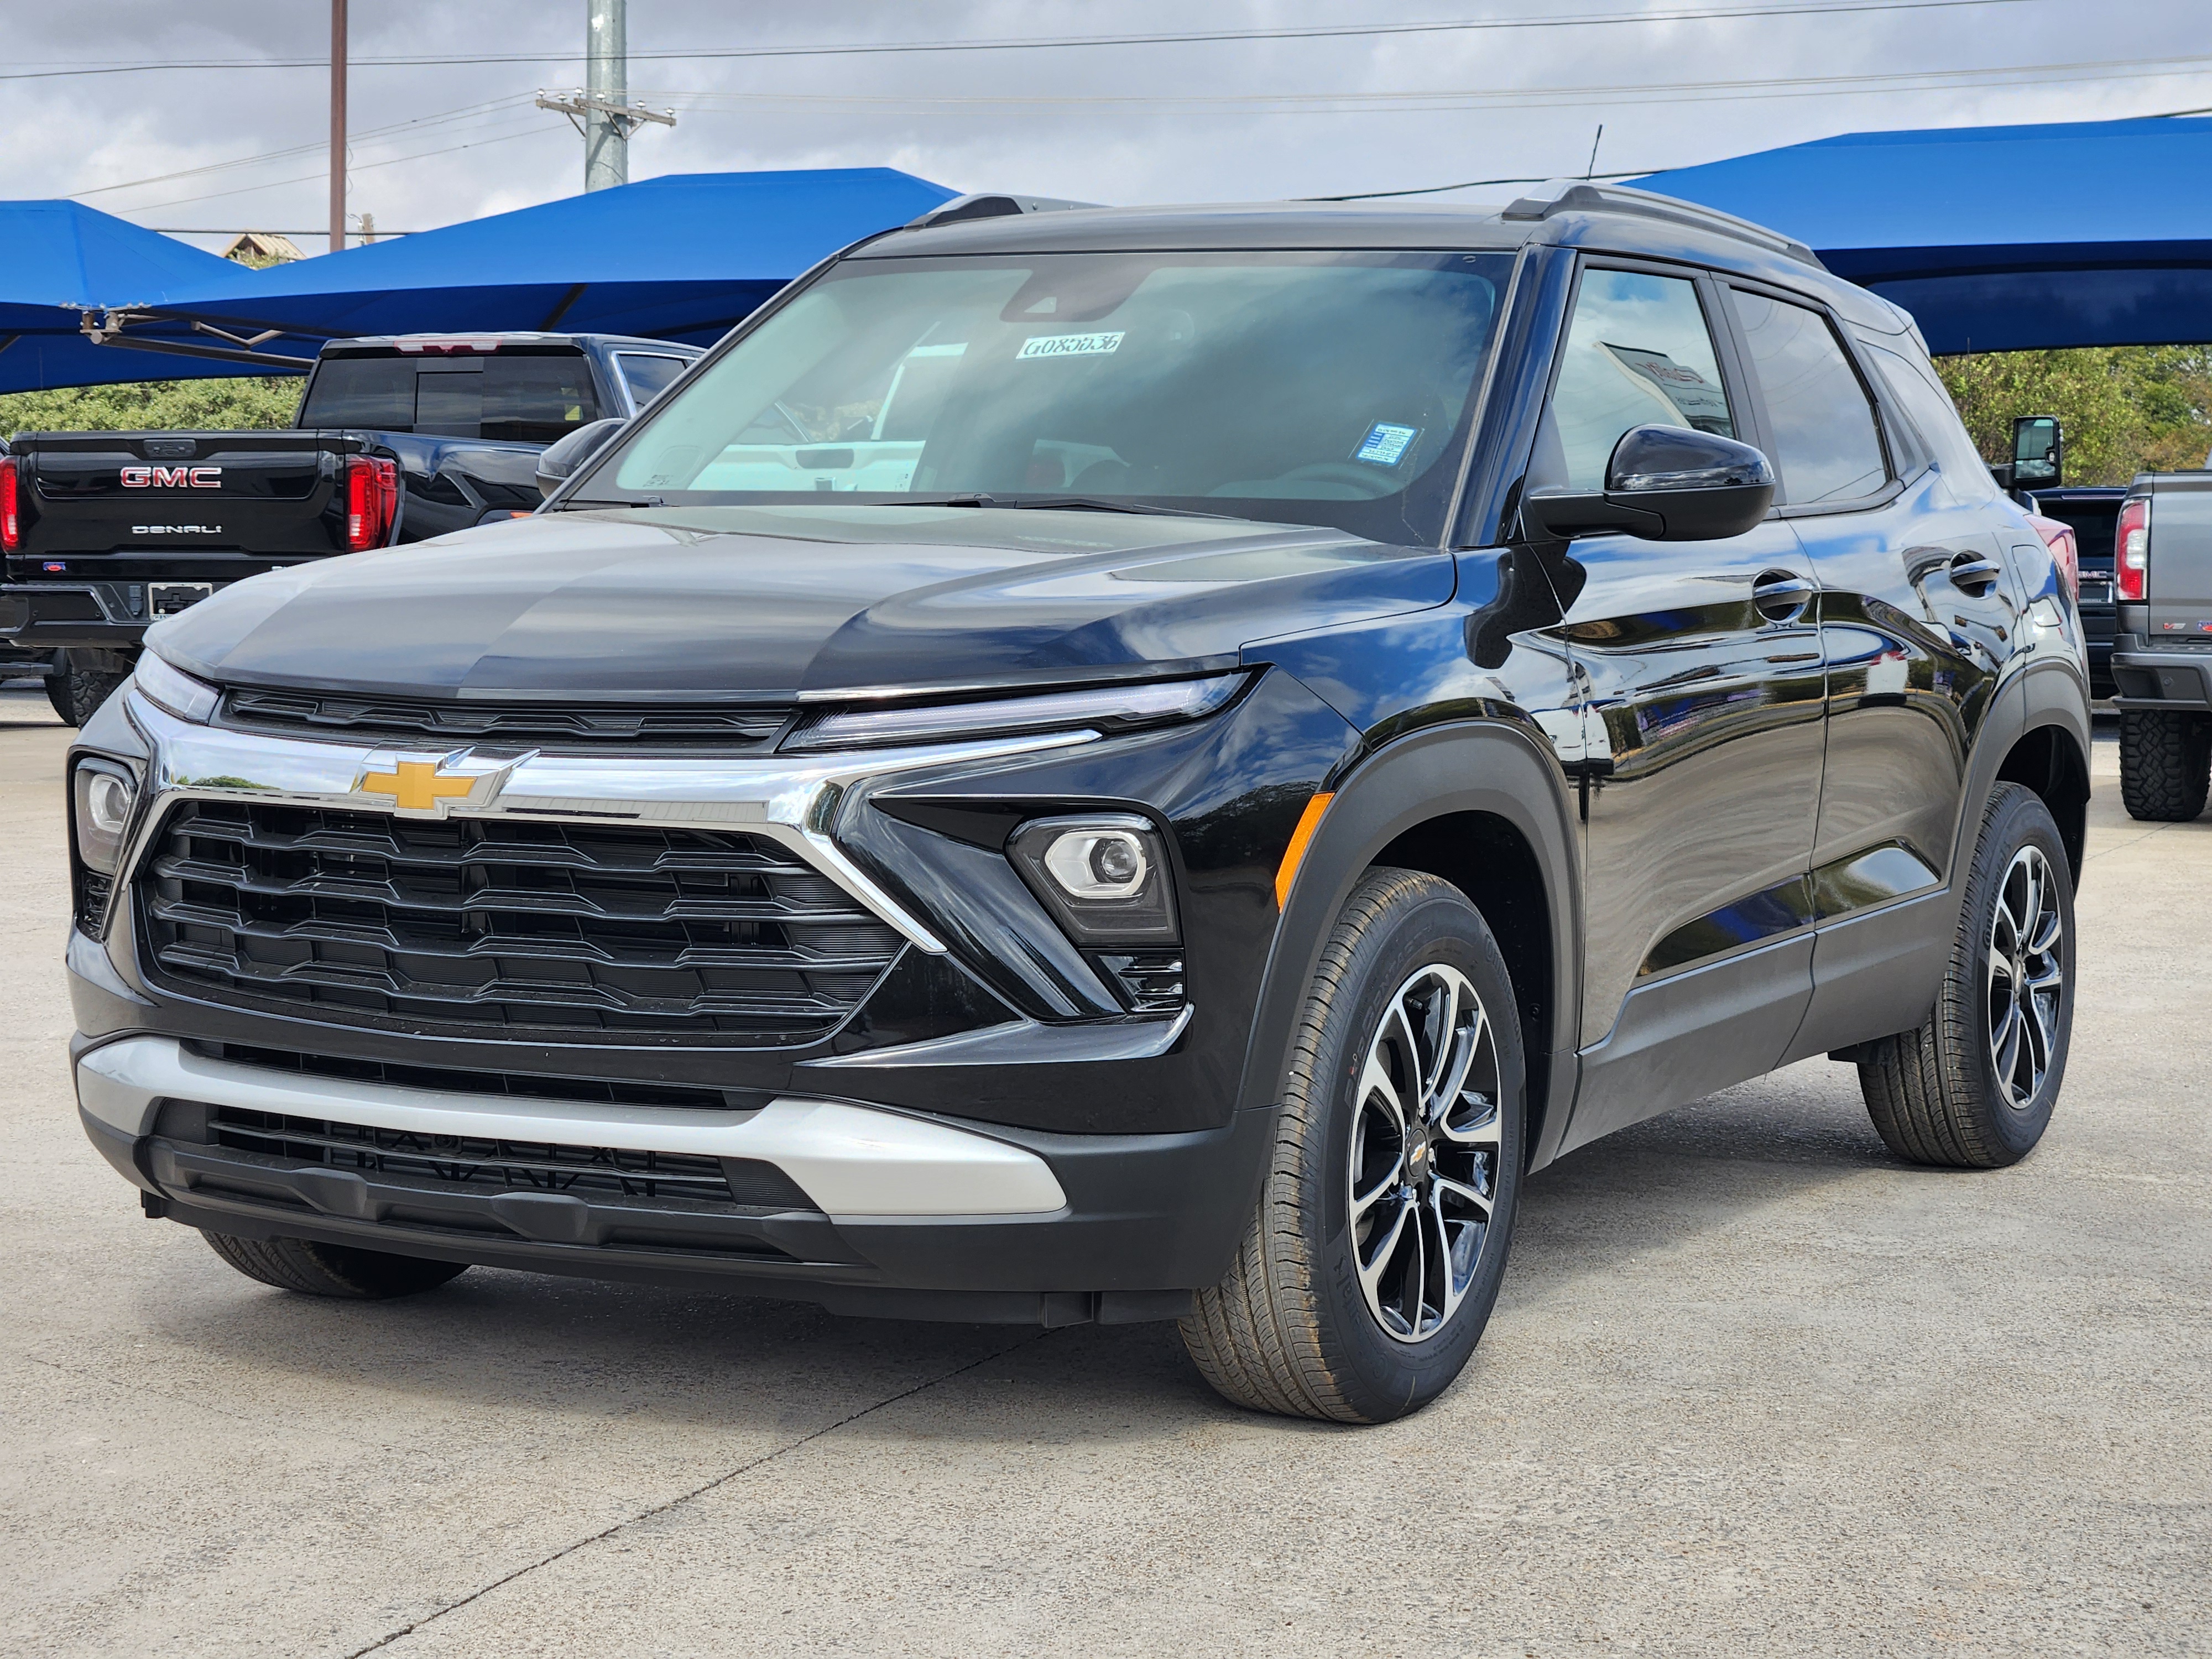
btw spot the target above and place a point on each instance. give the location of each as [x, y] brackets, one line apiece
[2125, 409]
[236, 404]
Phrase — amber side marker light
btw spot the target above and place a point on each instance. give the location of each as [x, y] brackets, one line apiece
[1295, 853]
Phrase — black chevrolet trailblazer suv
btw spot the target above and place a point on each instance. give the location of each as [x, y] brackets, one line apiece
[1099, 765]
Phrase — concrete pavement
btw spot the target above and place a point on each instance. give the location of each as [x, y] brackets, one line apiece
[1753, 1388]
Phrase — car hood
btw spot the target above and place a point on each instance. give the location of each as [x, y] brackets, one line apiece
[746, 603]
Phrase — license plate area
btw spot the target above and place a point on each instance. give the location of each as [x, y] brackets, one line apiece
[166, 599]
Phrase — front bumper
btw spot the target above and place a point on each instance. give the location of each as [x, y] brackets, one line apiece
[886, 1213]
[1083, 1162]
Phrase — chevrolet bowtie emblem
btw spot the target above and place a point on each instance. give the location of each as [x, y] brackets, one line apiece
[425, 788]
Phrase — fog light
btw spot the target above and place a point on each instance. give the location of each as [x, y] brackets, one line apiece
[1105, 877]
[1098, 864]
[104, 797]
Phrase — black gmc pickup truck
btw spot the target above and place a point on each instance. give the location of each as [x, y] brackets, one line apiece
[396, 439]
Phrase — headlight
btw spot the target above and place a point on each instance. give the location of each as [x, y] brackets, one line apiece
[1106, 708]
[173, 688]
[104, 794]
[1105, 875]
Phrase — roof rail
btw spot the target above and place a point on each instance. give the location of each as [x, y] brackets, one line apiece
[991, 206]
[1580, 196]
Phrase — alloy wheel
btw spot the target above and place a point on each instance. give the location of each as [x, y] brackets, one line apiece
[1425, 1148]
[2026, 980]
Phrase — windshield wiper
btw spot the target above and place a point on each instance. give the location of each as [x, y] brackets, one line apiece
[1060, 504]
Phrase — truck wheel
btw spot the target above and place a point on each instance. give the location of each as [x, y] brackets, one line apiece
[1370, 1266]
[1972, 1089]
[313, 1269]
[2166, 763]
[82, 680]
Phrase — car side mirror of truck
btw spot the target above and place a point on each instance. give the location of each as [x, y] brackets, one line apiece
[2038, 452]
[1664, 484]
[564, 456]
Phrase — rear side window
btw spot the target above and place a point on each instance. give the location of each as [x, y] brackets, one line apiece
[1928, 407]
[647, 377]
[509, 399]
[1637, 352]
[371, 392]
[1826, 446]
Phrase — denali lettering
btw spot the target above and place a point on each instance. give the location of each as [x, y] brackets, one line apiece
[172, 478]
[176, 530]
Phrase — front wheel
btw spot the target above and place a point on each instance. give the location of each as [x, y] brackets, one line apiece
[1370, 1266]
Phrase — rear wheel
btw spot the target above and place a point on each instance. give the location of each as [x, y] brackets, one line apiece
[82, 680]
[2166, 763]
[1370, 1266]
[339, 1270]
[1973, 1088]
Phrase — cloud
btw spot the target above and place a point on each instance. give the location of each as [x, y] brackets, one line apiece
[438, 143]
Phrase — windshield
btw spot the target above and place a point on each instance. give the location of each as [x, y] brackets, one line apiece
[1330, 389]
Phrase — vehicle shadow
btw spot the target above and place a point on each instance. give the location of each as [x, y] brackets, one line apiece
[575, 1348]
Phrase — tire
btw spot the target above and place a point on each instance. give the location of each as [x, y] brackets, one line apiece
[1946, 1095]
[1295, 1327]
[82, 680]
[2166, 764]
[339, 1270]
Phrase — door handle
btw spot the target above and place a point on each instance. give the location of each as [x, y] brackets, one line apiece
[1780, 596]
[1974, 574]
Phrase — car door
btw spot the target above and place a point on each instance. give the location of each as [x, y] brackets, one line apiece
[1700, 680]
[1918, 615]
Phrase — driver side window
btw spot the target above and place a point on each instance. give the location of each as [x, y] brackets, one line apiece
[1637, 352]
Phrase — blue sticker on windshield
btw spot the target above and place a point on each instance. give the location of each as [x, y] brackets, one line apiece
[1386, 445]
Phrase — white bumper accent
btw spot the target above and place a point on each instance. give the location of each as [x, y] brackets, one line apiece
[851, 1160]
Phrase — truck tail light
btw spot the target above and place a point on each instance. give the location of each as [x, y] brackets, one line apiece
[2132, 551]
[372, 487]
[2059, 538]
[11, 517]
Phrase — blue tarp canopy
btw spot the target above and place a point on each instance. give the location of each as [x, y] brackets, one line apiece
[680, 257]
[1999, 238]
[62, 257]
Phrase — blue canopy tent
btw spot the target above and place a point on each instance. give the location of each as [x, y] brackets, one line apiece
[680, 257]
[63, 258]
[1999, 238]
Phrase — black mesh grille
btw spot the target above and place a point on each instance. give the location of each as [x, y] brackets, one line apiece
[576, 932]
[487, 1163]
[731, 730]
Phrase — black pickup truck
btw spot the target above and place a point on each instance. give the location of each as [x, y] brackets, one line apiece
[397, 438]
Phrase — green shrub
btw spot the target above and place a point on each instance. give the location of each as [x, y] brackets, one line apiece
[237, 404]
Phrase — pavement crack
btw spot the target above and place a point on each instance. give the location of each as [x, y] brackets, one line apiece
[682, 1498]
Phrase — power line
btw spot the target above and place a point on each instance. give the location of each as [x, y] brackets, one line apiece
[1196, 36]
[1445, 99]
[419, 123]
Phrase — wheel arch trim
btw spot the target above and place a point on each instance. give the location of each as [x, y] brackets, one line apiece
[1486, 767]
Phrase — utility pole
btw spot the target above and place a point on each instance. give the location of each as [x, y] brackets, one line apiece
[337, 124]
[606, 81]
[600, 109]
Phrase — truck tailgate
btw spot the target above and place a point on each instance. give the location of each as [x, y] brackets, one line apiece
[117, 497]
[2180, 586]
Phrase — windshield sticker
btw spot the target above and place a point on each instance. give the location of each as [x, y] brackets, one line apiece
[1386, 445]
[1070, 345]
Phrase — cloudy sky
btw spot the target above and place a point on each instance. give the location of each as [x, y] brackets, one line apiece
[227, 132]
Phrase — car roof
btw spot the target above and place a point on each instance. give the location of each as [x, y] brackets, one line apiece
[1595, 219]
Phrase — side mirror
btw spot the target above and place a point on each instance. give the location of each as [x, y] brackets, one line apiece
[1664, 484]
[561, 458]
[2038, 452]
